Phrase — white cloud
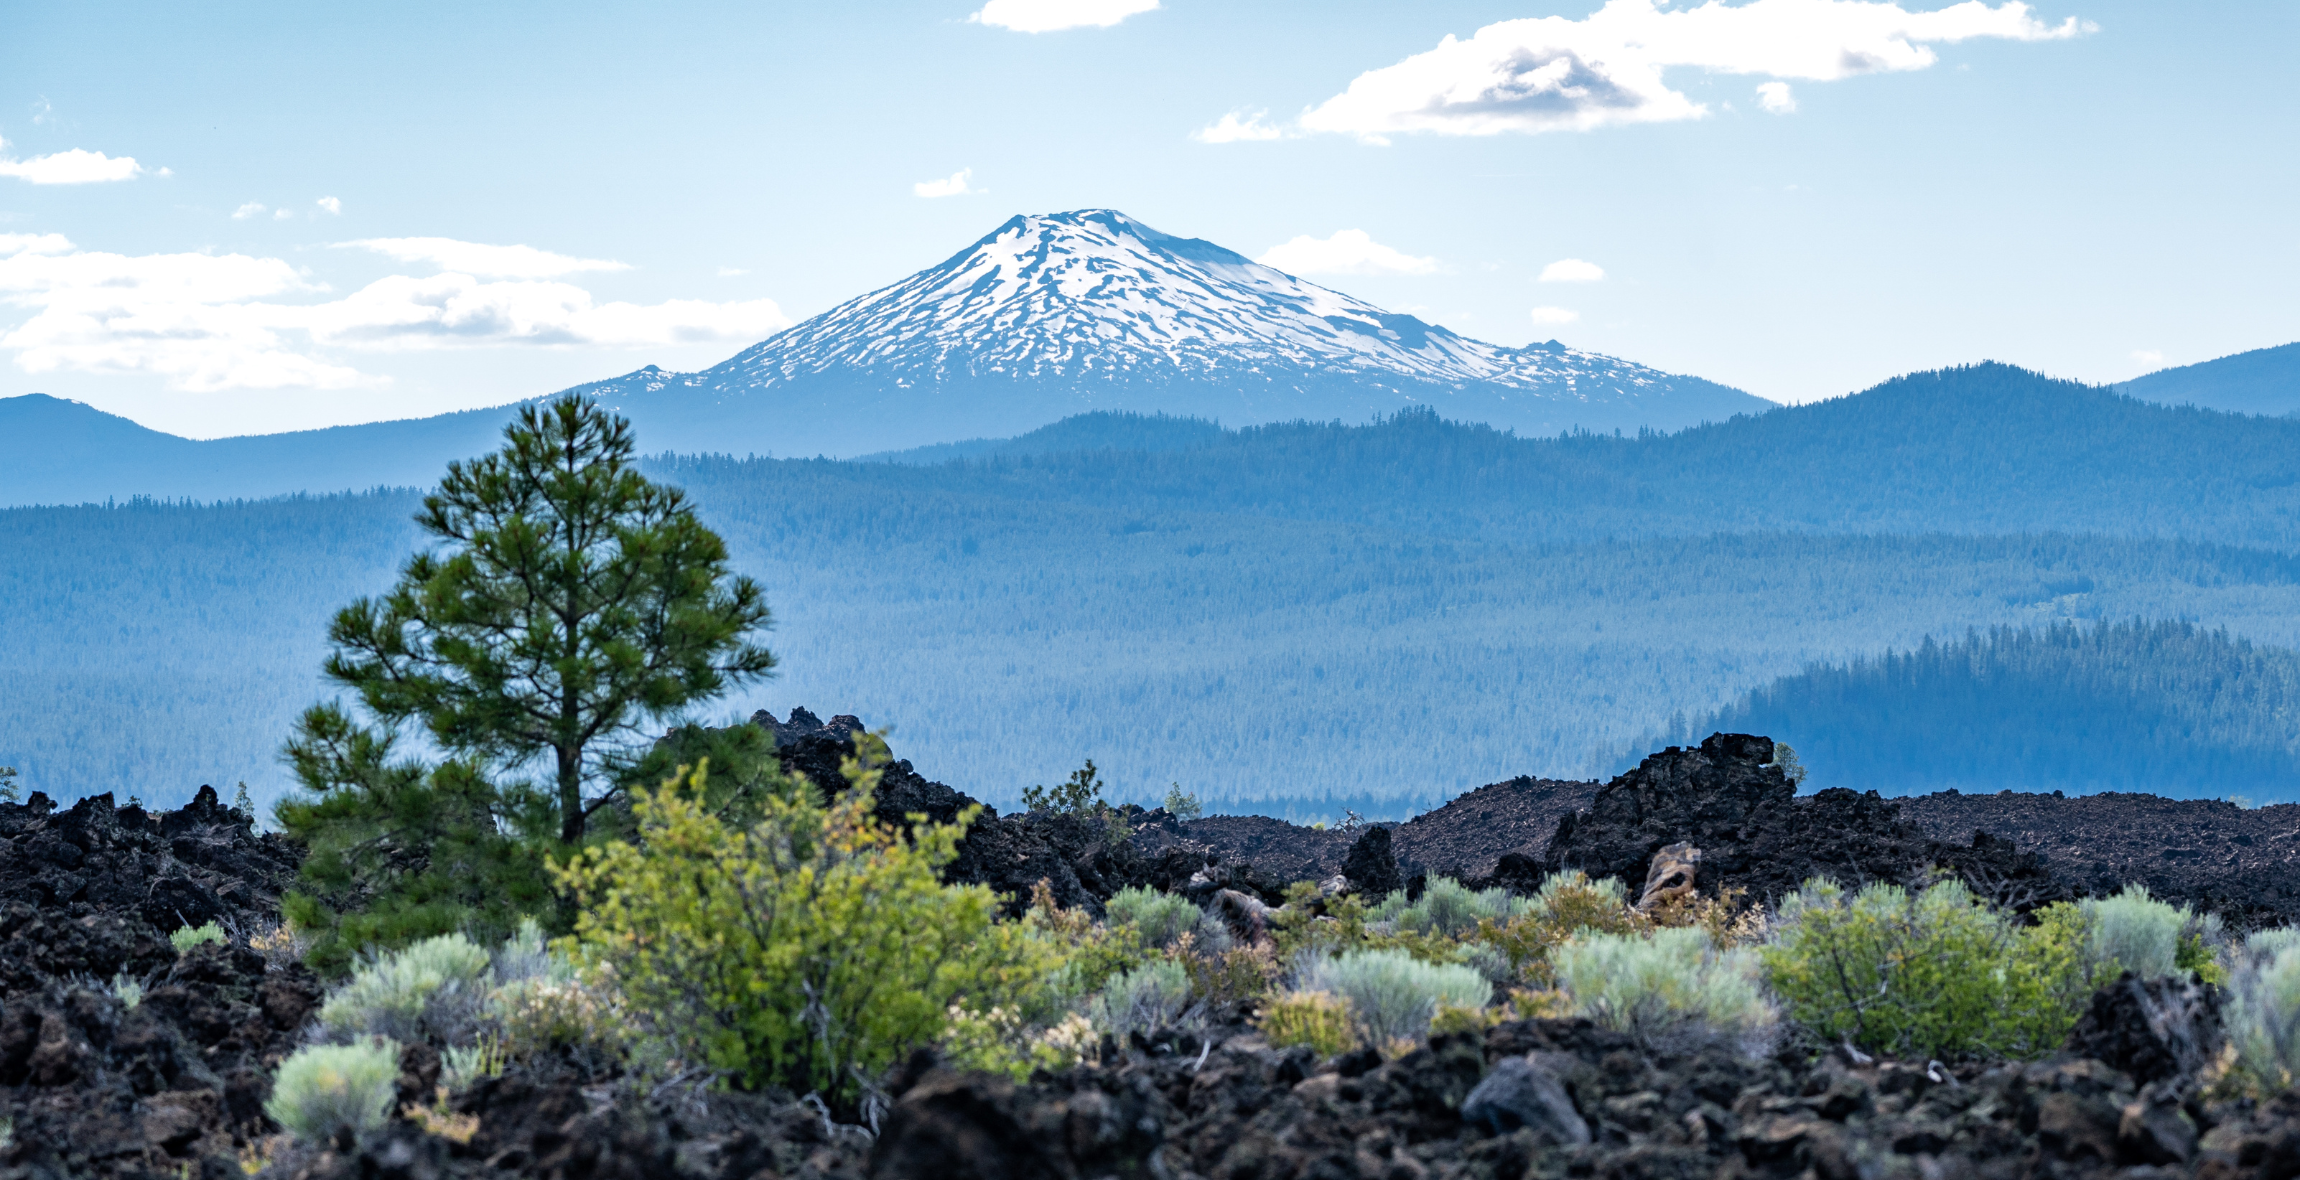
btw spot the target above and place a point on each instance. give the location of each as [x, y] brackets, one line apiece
[1240, 127]
[1047, 16]
[1572, 270]
[1555, 315]
[1776, 98]
[282, 214]
[329, 205]
[14, 244]
[1555, 74]
[508, 262]
[208, 322]
[1347, 252]
[251, 209]
[78, 166]
[954, 185]
[2148, 356]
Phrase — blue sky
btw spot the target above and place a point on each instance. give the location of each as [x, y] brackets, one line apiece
[1798, 197]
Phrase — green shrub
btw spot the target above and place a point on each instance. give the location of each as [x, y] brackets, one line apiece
[1150, 997]
[1093, 952]
[325, 1088]
[187, 937]
[1183, 805]
[1938, 973]
[810, 950]
[130, 992]
[2262, 1014]
[1447, 907]
[1664, 981]
[1159, 917]
[435, 990]
[1001, 1041]
[1320, 1020]
[2132, 932]
[1392, 994]
[1566, 903]
[460, 1066]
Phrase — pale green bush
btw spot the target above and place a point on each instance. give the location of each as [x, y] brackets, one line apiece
[2262, 1013]
[1446, 907]
[1663, 982]
[323, 1089]
[2132, 932]
[1149, 997]
[1159, 917]
[130, 992]
[187, 937]
[435, 990]
[1392, 995]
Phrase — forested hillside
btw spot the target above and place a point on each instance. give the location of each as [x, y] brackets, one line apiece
[2167, 708]
[1294, 618]
[1253, 659]
[1984, 449]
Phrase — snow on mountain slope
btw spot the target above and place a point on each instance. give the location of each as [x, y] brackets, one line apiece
[1062, 313]
[1073, 294]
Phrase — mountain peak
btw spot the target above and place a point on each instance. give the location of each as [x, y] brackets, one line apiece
[1055, 314]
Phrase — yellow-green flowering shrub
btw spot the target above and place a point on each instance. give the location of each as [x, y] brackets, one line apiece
[810, 949]
[1320, 1020]
[1003, 1041]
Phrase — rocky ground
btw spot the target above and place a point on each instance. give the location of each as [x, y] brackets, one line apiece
[174, 1086]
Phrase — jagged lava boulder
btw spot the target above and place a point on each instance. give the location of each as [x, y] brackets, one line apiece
[1074, 855]
[1756, 833]
[173, 1085]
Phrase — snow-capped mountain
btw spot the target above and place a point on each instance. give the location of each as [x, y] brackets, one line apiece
[1063, 313]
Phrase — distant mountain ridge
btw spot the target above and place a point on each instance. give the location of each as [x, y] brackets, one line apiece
[1047, 317]
[2264, 381]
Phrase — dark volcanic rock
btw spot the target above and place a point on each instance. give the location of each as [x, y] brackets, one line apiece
[1755, 833]
[97, 1087]
[2242, 863]
[1371, 867]
[1470, 835]
[1074, 855]
[2154, 1029]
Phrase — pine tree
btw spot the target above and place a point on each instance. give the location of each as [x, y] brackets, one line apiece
[569, 606]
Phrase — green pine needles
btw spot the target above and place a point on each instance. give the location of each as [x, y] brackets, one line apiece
[567, 606]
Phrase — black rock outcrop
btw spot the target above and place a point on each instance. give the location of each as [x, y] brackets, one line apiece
[1756, 833]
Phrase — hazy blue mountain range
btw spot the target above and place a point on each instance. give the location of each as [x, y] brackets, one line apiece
[2167, 708]
[2262, 381]
[1045, 318]
[1296, 617]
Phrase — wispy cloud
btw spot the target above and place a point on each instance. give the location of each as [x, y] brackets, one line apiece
[1572, 270]
[208, 322]
[1776, 98]
[1240, 127]
[957, 184]
[1048, 16]
[1555, 74]
[329, 205]
[728, 272]
[251, 209]
[477, 258]
[2149, 356]
[1555, 315]
[77, 166]
[1347, 252]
